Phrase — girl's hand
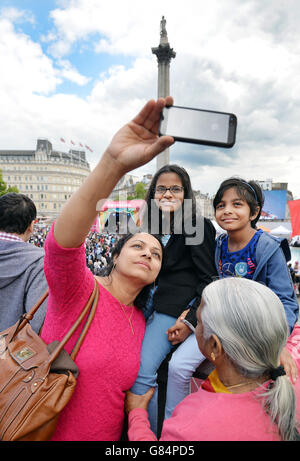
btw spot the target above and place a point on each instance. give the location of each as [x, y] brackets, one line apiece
[133, 401]
[178, 332]
[137, 142]
[289, 365]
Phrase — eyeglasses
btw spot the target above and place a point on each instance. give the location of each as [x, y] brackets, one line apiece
[173, 189]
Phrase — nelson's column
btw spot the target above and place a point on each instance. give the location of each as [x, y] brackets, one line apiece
[164, 53]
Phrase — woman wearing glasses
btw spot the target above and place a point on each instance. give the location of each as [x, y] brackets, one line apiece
[188, 267]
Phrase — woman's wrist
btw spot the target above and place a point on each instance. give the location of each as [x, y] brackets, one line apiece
[110, 170]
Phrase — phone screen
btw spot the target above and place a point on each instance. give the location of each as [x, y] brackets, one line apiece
[198, 125]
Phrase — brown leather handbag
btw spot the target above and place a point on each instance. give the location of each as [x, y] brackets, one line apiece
[37, 380]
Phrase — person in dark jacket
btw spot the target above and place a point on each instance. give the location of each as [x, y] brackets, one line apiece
[188, 267]
[22, 278]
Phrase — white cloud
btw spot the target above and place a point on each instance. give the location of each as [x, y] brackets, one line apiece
[68, 72]
[24, 67]
[17, 16]
[241, 56]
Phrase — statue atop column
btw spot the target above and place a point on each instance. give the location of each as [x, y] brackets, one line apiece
[163, 52]
[163, 31]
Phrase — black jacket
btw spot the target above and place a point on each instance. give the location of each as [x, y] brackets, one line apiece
[186, 270]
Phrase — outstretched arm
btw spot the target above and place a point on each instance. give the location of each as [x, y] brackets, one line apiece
[138, 423]
[131, 147]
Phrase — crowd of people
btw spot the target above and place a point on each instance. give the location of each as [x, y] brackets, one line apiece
[179, 291]
[296, 243]
[98, 246]
[295, 274]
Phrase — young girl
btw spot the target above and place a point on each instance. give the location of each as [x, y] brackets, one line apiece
[243, 251]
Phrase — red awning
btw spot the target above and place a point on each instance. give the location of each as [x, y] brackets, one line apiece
[294, 206]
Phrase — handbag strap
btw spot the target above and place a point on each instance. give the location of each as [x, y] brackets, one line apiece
[90, 305]
[87, 324]
[25, 318]
[29, 315]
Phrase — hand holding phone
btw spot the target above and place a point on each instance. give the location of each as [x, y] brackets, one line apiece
[198, 126]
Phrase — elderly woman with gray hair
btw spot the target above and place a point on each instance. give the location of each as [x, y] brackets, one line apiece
[242, 329]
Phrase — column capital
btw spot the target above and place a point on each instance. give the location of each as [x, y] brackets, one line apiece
[164, 53]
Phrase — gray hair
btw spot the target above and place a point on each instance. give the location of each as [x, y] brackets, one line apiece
[250, 321]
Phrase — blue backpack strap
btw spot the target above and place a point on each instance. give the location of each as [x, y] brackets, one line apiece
[286, 249]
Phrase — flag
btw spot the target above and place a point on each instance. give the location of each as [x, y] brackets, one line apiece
[80, 144]
[89, 148]
[294, 206]
[72, 142]
[62, 140]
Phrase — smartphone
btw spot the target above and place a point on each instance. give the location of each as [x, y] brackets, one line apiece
[198, 126]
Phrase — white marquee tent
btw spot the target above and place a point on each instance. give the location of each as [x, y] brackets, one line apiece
[280, 231]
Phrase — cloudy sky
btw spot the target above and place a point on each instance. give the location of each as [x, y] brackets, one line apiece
[80, 69]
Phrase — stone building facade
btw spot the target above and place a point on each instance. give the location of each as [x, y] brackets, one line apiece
[47, 176]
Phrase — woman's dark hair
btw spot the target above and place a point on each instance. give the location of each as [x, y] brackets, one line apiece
[188, 192]
[249, 191]
[116, 250]
[17, 211]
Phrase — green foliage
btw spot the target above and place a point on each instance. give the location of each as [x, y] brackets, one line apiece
[3, 186]
[140, 191]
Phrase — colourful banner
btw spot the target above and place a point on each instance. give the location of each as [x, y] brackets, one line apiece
[275, 204]
[118, 210]
[294, 206]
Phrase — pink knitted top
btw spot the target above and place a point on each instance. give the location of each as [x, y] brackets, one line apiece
[109, 357]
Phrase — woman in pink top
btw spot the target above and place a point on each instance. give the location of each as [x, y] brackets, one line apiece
[109, 357]
[242, 329]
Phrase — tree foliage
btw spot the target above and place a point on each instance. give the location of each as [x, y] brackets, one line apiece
[3, 186]
[140, 191]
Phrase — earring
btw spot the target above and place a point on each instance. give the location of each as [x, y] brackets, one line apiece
[213, 357]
